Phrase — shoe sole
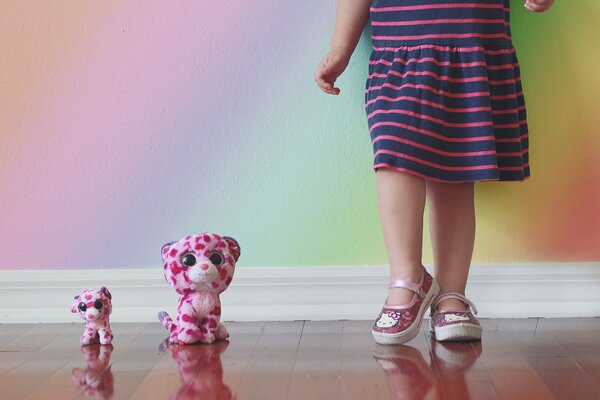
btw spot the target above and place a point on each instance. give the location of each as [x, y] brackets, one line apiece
[413, 330]
[457, 332]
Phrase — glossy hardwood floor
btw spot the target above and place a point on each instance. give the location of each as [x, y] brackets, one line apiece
[517, 359]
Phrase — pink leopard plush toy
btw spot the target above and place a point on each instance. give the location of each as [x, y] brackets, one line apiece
[94, 307]
[199, 268]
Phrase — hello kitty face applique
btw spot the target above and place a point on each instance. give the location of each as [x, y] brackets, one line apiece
[387, 319]
[455, 317]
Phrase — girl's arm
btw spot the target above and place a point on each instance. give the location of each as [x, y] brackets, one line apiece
[350, 20]
[351, 17]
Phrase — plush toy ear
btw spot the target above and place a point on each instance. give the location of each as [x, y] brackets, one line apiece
[106, 292]
[75, 304]
[234, 247]
[165, 250]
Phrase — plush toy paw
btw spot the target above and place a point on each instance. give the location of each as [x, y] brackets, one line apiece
[221, 332]
[106, 337]
[87, 339]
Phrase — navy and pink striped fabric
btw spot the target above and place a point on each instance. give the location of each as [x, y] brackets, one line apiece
[443, 96]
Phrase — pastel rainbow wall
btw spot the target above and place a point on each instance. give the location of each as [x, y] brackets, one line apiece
[124, 125]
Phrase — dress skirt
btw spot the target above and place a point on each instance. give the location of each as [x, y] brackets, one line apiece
[443, 96]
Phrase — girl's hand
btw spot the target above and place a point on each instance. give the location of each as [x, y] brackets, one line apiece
[538, 5]
[328, 70]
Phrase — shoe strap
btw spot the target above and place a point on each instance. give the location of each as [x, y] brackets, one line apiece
[408, 284]
[453, 295]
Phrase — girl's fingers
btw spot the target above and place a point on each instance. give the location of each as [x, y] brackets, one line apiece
[326, 77]
[537, 5]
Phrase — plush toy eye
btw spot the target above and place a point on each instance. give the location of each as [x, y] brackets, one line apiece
[216, 258]
[98, 304]
[82, 306]
[188, 260]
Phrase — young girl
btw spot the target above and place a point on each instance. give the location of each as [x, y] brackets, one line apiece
[445, 108]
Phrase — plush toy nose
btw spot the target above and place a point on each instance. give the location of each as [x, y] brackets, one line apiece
[91, 314]
[203, 272]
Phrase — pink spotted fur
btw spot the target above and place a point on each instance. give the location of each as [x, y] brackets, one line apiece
[94, 307]
[199, 268]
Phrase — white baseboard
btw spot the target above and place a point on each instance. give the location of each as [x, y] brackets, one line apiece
[302, 293]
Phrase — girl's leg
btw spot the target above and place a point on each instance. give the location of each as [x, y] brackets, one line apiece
[452, 230]
[401, 200]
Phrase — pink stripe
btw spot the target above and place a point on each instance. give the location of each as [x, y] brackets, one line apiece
[443, 36]
[507, 96]
[426, 59]
[434, 150]
[505, 81]
[428, 6]
[440, 21]
[444, 77]
[430, 103]
[501, 51]
[432, 164]
[510, 140]
[448, 63]
[428, 73]
[429, 46]
[508, 126]
[502, 66]
[408, 171]
[430, 118]
[384, 165]
[430, 133]
[445, 48]
[429, 88]
[509, 111]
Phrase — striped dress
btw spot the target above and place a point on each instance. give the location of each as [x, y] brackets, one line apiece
[443, 95]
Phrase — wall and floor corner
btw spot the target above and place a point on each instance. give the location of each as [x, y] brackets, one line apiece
[125, 126]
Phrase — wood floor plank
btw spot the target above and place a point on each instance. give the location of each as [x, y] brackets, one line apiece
[131, 365]
[461, 373]
[25, 347]
[57, 350]
[555, 367]
[362, 375]
[242, 344]
[8, 332]
[523, 325]
[62, 384]
[513, 377]
[270, 369]
[583, 347]
[316, 373]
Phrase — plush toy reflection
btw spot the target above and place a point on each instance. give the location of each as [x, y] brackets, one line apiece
[200, 371]
[199, 268]
[95, 380]
[94, 307]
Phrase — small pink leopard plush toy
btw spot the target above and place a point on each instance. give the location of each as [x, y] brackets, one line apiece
[94, 307]
[199, 268]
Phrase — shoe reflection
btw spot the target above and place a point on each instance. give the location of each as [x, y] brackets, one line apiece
[453, 360]
[96, 380]
[409, 376]
[200, 370]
